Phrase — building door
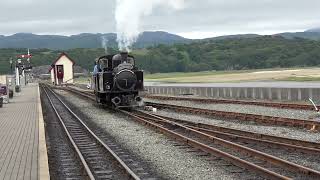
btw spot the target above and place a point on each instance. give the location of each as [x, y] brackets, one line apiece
[60, 73]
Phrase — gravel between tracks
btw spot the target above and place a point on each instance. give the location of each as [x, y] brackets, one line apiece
[311, 161]
[249, 109]
[246, 126]
[170, 160]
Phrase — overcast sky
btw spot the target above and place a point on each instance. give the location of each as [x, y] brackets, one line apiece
[198, 19]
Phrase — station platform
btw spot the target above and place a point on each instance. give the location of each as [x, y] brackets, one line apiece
[23, 151]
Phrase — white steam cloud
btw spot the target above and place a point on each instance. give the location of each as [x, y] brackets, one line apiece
[129, 14]
[104, 43]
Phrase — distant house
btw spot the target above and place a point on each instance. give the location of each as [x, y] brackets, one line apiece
[62, 70]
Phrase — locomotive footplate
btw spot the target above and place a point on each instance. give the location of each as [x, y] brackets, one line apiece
[127, 101]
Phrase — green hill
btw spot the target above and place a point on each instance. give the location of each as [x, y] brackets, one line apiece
[85, 40]
[225, 54]
[305, 35]
[233, 54]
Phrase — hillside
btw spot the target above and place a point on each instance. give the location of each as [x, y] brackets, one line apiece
[225, 54]
[233, 54]
[312, 34]
[146, 39]
[305, 35]
[85, 40]
[237, 36]
[314, 30]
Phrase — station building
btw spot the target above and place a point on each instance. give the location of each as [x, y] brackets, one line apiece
[62, 70]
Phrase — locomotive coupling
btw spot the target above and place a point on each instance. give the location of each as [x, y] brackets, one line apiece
[116, 101]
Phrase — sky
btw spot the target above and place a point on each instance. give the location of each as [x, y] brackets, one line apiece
[197, 19]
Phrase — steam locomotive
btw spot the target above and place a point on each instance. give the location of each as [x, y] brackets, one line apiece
[118, 81]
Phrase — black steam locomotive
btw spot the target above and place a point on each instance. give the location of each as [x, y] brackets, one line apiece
[118, 81]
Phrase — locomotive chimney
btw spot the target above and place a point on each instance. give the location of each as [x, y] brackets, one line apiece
[124, 55]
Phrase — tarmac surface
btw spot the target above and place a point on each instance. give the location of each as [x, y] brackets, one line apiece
[22, 143]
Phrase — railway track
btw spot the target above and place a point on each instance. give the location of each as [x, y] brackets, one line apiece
[314, 125]
[63, 158]
[227, 101]
[304, 146]
[281, 105]
[97, 158]
[264, 164]
[86, 94]
[289, 122]
[230, 144]
[244, 136]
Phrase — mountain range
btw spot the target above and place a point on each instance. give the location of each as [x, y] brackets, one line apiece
[314, 30]
[85, 40]
[313, 34]
[146, 39]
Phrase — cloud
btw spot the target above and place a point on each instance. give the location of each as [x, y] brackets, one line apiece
[205, 17]
[129, 16]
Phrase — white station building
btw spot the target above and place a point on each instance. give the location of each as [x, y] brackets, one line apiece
[62, 70]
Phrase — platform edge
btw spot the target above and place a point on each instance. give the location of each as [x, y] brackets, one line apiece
[43, 156]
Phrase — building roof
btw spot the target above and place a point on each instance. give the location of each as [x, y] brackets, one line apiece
[59, 57]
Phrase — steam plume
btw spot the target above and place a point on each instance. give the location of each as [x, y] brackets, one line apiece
[104, 43]
[129, 14]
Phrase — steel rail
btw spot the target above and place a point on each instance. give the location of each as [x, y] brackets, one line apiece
[83, 161]
[237, 161]
[305, 146]
[131, 174]
[242, 116]
[229, 101]
[245, 150]
[296, 142]
[231, 158]
[229, 135]
[229, 115]
[300, 143]
[82, 93]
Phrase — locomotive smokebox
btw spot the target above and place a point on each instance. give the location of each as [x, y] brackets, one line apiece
[124, 55]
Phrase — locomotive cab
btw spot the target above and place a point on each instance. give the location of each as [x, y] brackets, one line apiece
[118, 81]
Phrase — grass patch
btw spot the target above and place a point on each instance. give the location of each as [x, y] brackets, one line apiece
[276, 74]
[300, 79]
[141, 52]
[46, 53]
[81, 80]
[175, 75]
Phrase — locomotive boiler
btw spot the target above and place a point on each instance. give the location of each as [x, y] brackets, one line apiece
[117, 81]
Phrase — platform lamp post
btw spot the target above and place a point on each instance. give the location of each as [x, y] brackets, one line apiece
[19, 71]
[11, 79]
[11, 67]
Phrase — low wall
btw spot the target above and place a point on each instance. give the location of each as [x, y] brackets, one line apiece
[263, 93]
